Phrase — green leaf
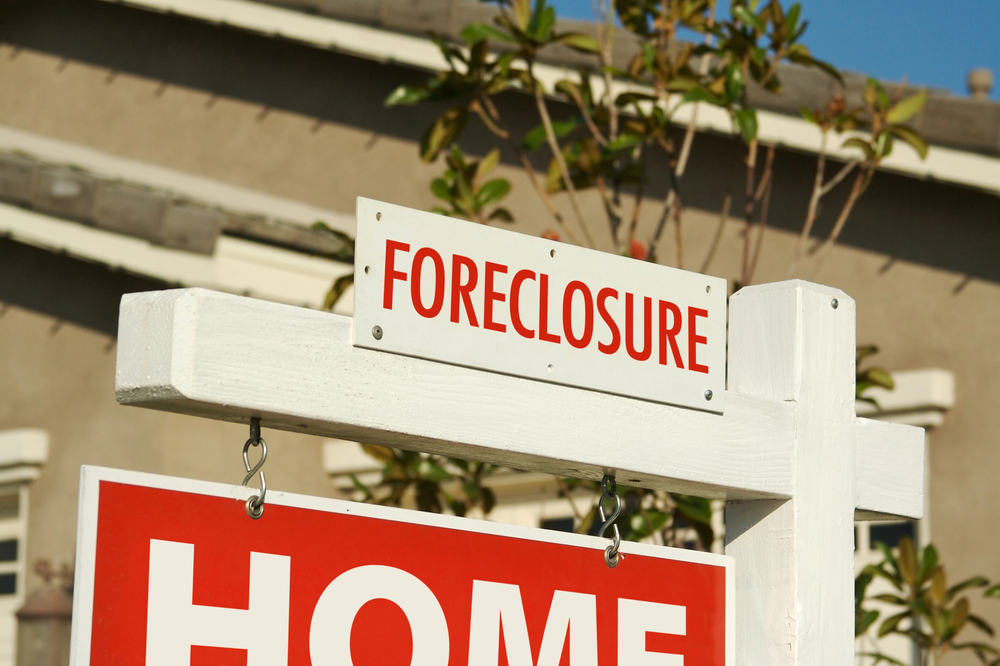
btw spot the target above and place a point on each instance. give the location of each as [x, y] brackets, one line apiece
[809, 115]
[475, 32]
[536, 136]
[981, 624]
[975, 581]
[405, 95]
[748, 18]
[746, 122]
[879, 657]
[430, 470]
[488, 163]
[907, 560]
[337, 290]
[579, 42]
[699, 94]
[993, 592]
[861, 144]
[492, 192]
[624, 142]
[929, 559]
[522, 13]
[879, 377]
[439, 186]
[544, 18]
[907, 108]
[734, 82]
[501, 214]
[891, 624]
[443, 132]
[911, 138]
[864, 621]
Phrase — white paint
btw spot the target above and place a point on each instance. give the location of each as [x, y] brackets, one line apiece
[217, 355]
[785, 453]
[410, 265]
[333, 617]
[956, 166]
[795, 585]
[86, 544]
[635, 618]
[174, 622]
[238, 266]
[498, 605]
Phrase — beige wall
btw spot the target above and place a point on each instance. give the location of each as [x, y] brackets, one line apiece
[921, 314]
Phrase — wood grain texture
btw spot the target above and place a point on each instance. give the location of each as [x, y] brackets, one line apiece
[788, 342]
[227, 357]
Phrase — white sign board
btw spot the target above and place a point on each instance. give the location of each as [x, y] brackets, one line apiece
[449, 290]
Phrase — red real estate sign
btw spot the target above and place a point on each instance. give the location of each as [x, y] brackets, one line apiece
[173, 571]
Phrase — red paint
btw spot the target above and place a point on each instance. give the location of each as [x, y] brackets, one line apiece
[647, 328]
[515, 303]
[446, 560]
[492, 296]
[694, 339]
[616, 337]
[588, 315]
[418, 262]
[462, 293]
[668, 336]
[391, 274]
[543, 311]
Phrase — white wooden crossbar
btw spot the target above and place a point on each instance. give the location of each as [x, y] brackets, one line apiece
[793, 461]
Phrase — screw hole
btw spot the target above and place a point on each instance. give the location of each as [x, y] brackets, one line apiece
[550, 367]
[378, 216]
[708, 289]
[368, 269]
[552, 253]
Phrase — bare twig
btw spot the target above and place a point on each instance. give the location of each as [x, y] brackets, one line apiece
[839, 177]
[748, 207]
[761, 225]
[491, 118]
[678, 232]
[726, 202]
[845, 212]
[557, 155]
[594, 129]
[637, 206]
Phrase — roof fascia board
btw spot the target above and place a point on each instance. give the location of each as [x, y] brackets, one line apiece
[237, 267]
[961, 168]
[195, 188]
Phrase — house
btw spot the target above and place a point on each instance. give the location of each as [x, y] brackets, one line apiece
[155, 143]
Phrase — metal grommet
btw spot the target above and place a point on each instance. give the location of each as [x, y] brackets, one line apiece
[377, 332]
[255, 508]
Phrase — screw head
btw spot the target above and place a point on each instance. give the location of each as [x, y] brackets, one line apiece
[377, 332]
[708, 395]
[834, 303]
[378, 216]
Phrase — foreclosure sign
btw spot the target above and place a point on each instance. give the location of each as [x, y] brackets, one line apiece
[173, 572]
[449, 290]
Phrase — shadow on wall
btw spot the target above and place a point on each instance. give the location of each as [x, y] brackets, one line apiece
[926, 222]
[67, 289]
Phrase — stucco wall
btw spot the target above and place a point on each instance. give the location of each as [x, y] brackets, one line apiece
[919, 257]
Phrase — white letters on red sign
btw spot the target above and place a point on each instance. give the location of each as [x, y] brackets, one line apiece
[496, 605]
[174, 623]
[330, 630]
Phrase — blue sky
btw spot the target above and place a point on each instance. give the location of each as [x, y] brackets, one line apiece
[932, 43]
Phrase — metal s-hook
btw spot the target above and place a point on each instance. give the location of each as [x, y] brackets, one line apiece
[255, 503]
[609, 492]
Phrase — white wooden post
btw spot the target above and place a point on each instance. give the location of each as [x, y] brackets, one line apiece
[788, 454]
[795, 342]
